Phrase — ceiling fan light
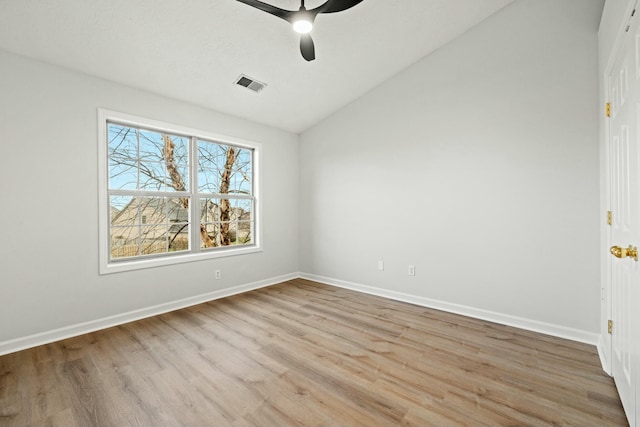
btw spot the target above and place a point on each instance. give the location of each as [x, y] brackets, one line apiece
[302, 26]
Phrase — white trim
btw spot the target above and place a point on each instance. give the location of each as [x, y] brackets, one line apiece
[195, 254]
[491, 316]
[141, 263]
[604, 359]
[47, 337]
[151, 124]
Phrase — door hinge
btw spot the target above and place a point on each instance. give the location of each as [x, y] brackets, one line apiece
[607, 109]
[609, 218]
[610, 327]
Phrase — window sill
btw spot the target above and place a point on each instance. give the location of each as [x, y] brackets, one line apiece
[139, 264]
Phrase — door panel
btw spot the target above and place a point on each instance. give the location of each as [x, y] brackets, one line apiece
[624, 88]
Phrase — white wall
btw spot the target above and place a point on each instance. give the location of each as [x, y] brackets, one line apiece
[478, 165]
[49, 205]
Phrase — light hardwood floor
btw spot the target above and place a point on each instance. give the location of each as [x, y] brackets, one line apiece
[306, 354]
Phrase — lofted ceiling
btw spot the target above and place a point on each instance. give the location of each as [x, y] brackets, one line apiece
[193, 50]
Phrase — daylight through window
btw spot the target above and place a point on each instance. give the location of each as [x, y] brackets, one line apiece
[173, 193]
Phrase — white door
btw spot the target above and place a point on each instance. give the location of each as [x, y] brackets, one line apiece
[624, 125]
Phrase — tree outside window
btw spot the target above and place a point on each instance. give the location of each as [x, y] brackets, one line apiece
[171, 193]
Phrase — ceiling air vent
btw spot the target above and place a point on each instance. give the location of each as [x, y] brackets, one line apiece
[250, 83]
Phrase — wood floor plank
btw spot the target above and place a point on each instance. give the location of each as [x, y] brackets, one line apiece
[305, 354]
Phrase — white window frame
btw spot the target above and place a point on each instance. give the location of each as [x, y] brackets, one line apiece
[194, 253]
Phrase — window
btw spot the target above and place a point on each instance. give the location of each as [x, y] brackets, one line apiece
[170, 194]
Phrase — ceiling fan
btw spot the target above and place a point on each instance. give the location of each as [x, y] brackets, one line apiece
[302, 19]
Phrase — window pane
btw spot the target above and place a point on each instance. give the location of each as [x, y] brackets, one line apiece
[123, 157]
[210, 161]
[224, 169]
[151, 145]
[181, 150]
[164, 161]
[153, 239]
[208, 182]
[209, 235]
[178, 177]
[226, 222]
[209, 215]
[244, 233]
[244, 209]
[244, 221]
[124, 241]
[227, 233]
[209, 210]
[123, 210]
[176, 157]
[178, 210]
[178, 237]
[152, 176]
[240, 182]
[123, 142]
[164, 210]
[123, 176]
[154, 209]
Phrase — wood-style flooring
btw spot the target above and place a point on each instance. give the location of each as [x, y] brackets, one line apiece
[305, 354]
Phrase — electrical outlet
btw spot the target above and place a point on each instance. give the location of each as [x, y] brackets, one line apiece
[381, 265]
[218, 274]
[412, 270]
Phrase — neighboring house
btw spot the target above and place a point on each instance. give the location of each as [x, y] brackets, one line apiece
[113, 212]
[153, 225]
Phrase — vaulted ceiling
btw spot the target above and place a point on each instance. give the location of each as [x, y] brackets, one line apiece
[194, 50]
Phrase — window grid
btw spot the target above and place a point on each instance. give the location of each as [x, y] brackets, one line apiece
[172, 216]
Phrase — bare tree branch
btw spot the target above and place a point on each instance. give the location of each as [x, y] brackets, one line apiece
[176, 179]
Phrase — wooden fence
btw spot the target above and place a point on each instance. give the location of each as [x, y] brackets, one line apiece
[134, 250]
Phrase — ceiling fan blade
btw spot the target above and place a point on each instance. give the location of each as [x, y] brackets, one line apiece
[332, 6]
[287, 15]
[307, 48]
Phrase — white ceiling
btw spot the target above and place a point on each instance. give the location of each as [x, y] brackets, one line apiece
[193, 50]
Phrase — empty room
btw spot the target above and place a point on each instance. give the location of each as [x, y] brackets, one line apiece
[319, 213]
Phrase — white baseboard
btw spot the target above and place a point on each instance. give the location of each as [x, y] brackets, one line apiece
[604, 355]
[34, 340]
[504, 319]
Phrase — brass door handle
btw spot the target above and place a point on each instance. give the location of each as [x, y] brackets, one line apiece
[618, 252]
